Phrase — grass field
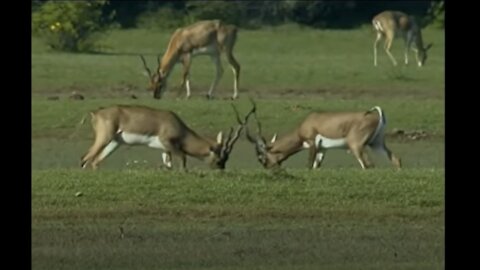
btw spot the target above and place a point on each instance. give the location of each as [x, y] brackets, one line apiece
[133, 214]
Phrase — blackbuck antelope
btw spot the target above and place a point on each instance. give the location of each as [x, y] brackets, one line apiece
[210, 38]
[394, 24]
[161, 129]
[321, 131]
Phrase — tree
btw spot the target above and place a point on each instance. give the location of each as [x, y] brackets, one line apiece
[70, 26]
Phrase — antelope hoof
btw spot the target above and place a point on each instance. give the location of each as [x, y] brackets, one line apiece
[83, 163]
[209, 97]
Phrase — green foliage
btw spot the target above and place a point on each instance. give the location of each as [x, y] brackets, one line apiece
[70, 26]
[436, 15]
[254, 14]
[226, 11]
[319, 13]
[162, 18]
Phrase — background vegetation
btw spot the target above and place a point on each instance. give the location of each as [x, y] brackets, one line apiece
[73, 26]
[296, 57]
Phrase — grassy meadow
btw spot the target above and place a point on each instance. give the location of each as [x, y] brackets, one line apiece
[132, 214]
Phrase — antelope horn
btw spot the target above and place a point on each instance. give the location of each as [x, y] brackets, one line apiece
[145, 66]
[231, 140]
[254, 110]
[259, 127]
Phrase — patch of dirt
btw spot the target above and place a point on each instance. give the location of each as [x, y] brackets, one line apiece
[76, 96]
[411, 135]
[344, 93]
[124, 89]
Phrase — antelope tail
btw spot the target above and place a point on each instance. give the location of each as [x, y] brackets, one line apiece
[377, 25]
[381, 122]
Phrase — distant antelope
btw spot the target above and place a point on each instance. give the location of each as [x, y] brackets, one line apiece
[321, 131]
[393, 24]
[210, 38]
[160, 129]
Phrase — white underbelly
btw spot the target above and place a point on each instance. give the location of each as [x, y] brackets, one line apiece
[140, 139]
[327, 143]
[203, 50]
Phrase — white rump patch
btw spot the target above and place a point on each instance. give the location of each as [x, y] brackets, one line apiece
[377, 26]
[328, 143]
[150, 141]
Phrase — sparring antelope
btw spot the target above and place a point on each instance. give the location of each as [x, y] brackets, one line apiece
[210, 38]
[321, 131]
[395, 24]
[160, 129]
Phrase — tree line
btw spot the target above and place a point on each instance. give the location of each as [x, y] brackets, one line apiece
[254, 14]
[75, 25]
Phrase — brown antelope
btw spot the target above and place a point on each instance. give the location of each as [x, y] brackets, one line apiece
[160, 129]
[394, 24]
[210, 38]
[321, 131]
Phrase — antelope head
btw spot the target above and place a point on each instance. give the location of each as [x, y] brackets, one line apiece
[220, 152]
[422, 55]
[262, 148]
[157, 81]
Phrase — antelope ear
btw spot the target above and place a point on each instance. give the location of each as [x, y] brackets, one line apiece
[219, 137]
[274, 138]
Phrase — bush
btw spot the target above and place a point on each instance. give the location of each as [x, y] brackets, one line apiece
[229, 12]
[436, 15]
[162, 18]
[70, 26]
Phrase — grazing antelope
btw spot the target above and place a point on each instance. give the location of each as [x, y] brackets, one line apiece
[161, 129]
[393, 24]
[321, 131]
[210, 38]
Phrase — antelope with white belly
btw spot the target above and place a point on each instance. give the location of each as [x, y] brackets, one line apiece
[160, 129]
[321, 131]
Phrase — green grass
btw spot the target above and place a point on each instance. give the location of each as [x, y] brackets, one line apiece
[57, 133]
[335, 219]
[60, 118]
[338, 217]
[302, 62]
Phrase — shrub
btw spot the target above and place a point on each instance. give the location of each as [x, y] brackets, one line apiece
[162, 18]
[70, 25]
[436, 15]
[229, 12]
